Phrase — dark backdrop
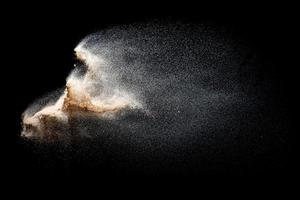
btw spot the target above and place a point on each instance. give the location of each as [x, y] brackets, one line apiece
[40, 40]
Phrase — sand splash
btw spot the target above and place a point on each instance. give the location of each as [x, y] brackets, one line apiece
[90, 94]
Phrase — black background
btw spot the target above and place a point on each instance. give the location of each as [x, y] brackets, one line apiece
[39, 55]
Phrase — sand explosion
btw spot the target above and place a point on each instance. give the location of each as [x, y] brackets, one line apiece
[150, 81]
[160, 99]
[85, 95]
